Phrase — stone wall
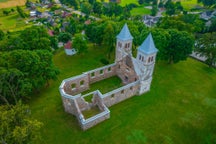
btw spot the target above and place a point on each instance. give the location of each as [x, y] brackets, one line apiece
[76, 85]
[121, 94]
[92, 121]
[101, 73]
[125, 70]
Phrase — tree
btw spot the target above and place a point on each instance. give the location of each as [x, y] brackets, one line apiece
[97, 8]
[140, 2]
[173, 23]
[86, 8]
[212, 27]
[208, 2]
[54, 42]
[170, 7]
[21, 12]
[6, 12]
[206, 46]
[162, 39]
[14, 86]
[80, 43]
[109, 37]
[17, 126]
[179, 47]
[64, 37]
[154, 10]
[1, 35]
[36, 69]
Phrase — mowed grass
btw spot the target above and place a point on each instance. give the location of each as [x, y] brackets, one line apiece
[189, 4]
[12, 23]
[180, 108]
[140, 11]
[11, 3]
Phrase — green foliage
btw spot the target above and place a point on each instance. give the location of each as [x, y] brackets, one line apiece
[208, 2]
[86, 8]
[97, 8]
[64, 37]
[104, 61]
[17, 126]
[33, 38]
[154, 10]
[206, 46]
[212, 27]
[109, 37]
[23, 71]
[21, 12]
[188, 22]
[80, 43]
[179, 47]
[1, 35]
[14, 85]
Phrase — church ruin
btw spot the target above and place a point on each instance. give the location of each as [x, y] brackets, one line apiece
[135, 73]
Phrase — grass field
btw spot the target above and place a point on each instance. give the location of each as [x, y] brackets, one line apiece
[12, 23]
[180, 108]
[140, 11]
[188, 4]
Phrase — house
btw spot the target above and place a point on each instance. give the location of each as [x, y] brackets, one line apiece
[150, 20]
[35, 13]
[50, 32]
[135, 73]
[68, 49]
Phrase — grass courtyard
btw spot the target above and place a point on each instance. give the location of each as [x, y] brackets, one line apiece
[180, 108]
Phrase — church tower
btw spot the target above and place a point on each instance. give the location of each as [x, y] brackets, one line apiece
[146, 56]
[123, 44]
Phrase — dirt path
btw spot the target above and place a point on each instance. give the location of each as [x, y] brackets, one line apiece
[12, 3]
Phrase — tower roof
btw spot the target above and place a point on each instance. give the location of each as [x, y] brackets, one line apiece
[125, 34]
[148, 46]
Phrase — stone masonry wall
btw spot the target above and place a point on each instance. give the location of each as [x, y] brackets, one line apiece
[125, 70]
[76, 85]
[101, 73]
[121, 94]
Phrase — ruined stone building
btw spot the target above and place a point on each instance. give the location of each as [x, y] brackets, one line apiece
[135, 73]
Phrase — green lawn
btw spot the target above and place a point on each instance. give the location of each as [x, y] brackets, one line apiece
[140, 11]
[189, 4]
[12, 23]
[180, 108]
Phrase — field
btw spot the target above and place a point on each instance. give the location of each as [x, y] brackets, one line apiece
[188, 4]
[12, 23]
[140, 11]
[11, 3]
[180, 108]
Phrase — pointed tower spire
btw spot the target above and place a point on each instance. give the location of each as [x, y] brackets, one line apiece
[125, 34]
[148, 46]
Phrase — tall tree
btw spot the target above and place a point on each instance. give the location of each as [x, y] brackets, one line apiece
[109, 37]
[80, 43]
[64, 37]
[17, 126]
[86, 8]
[97, 8]
[208, 2]
[14, 86]
[180, 46]
[1, 35]
[21, 12]
[206, 46]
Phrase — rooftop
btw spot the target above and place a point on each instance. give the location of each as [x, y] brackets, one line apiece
[148, 46]
[125, 34]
